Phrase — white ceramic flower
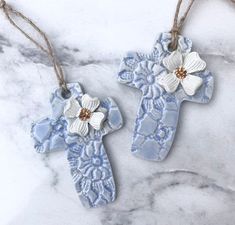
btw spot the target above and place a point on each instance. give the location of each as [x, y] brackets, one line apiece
[81, 116]
[181, 69]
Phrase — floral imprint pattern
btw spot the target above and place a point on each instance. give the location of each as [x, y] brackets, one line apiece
[157, 118]
[89, 163]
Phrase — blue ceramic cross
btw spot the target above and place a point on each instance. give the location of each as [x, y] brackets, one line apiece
[157, 118]
[89, 164]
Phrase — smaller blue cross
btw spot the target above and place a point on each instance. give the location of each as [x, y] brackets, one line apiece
[89, 163]
[157, 118]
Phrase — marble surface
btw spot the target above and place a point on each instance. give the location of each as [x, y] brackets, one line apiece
[194, 185]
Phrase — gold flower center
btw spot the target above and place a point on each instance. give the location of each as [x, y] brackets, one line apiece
[180, 72]
[85, 114]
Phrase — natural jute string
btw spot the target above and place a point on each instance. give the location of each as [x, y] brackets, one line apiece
[178, 24]
[8, 11]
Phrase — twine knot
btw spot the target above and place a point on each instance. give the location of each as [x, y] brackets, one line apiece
[175, 30]
[2, 4]
[174, 37]
[178, 23]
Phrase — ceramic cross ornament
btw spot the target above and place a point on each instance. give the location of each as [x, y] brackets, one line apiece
[78, 125]
[166, 79]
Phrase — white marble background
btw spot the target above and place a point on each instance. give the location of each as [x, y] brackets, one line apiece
[195, 185]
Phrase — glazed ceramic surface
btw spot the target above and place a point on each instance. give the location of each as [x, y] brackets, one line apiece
[89, 164]
[157, 117]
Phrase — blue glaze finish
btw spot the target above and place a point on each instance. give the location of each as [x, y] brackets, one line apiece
[89, 164]
[158, 113]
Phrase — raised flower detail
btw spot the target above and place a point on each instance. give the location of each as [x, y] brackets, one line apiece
[80, 116]
[181, 67]
[145, 77]
[93, 162]
[163, 133]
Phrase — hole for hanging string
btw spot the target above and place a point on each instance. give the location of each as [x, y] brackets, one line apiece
[172, 46]
[65, 93]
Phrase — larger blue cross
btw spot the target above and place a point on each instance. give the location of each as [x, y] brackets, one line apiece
[89, 164]
[157, 118]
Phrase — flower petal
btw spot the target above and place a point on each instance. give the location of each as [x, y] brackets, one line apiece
[193, 63]
[191, 84]
[79, 127]
[169, 82]
[173, 61]
[96, 120]
[72, 108]
[90, 103]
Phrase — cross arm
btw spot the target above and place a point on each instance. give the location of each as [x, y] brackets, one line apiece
[48, 133]
[203, 94]
[114, 117]
[129, 65]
